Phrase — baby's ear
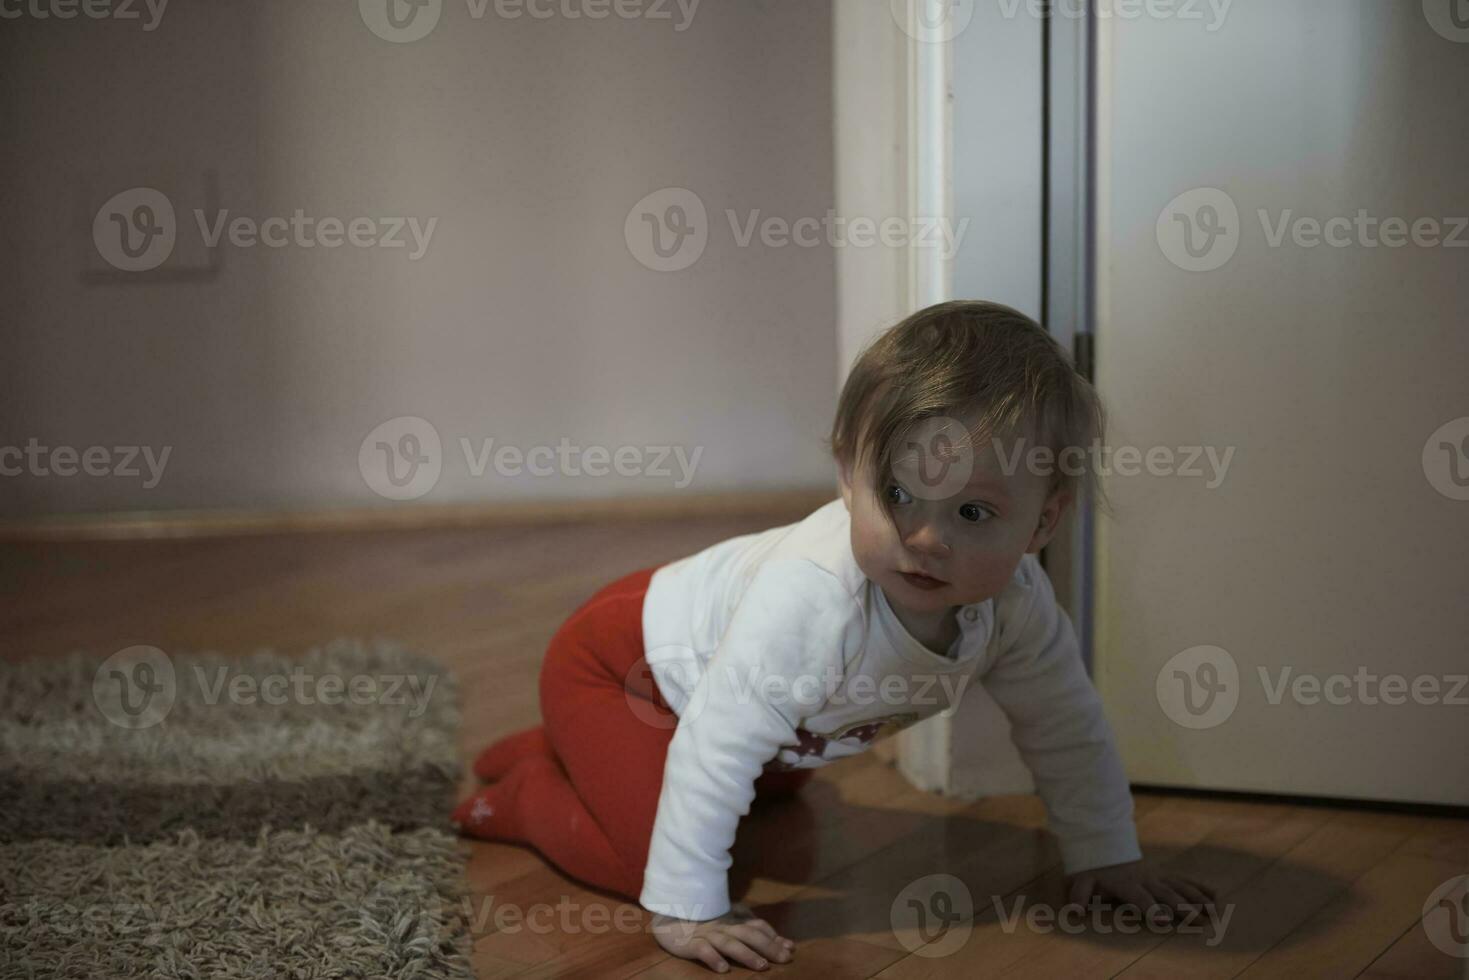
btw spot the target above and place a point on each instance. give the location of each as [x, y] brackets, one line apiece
[1050, 519]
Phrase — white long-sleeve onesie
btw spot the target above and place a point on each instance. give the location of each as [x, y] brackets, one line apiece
[776, 652]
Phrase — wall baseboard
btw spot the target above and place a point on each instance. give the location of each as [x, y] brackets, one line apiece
[205, 524]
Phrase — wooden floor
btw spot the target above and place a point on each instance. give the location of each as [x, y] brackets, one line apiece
[1314, 891]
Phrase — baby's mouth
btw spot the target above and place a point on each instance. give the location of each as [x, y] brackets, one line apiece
[921, 581]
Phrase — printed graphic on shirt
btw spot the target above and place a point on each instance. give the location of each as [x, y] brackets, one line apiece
[814, 749]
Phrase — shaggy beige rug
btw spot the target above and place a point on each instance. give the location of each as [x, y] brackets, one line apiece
[193, 815]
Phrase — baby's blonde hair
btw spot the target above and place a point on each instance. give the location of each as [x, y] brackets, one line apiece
[958, 358]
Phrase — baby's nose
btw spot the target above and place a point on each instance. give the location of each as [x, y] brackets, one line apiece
[927, 538]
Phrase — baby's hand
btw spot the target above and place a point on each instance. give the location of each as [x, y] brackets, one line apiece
[737, 934]
[1158, 897]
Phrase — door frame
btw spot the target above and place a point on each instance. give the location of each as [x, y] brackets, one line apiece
[894, 117]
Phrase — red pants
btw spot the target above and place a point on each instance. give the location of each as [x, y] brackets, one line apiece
[582, 788]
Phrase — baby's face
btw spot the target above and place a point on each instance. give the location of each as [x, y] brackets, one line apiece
[960, 517]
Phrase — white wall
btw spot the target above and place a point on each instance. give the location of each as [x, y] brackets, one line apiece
[527, 320]
[870, 106]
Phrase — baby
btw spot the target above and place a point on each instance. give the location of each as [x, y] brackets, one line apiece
[677, 694]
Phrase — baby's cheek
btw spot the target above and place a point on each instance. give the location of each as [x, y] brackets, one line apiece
[867, 548]
[988, 576]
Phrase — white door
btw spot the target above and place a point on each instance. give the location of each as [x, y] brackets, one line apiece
[1283, 275]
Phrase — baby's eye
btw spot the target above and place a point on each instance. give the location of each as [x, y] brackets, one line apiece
[974, 512]
[892, 489]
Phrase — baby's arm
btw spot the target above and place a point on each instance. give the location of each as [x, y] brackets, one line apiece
[1058, 724]
[795, 620]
